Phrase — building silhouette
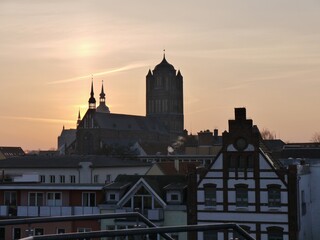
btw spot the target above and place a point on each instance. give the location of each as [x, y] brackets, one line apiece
[102, 132]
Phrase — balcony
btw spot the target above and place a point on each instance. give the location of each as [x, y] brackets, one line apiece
[47, 211]
[155, 214]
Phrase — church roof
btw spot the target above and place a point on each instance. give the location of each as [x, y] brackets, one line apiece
[103, 108]
[128, 122]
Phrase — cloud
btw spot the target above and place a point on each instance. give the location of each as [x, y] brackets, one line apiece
[32, 119]
[109, 71]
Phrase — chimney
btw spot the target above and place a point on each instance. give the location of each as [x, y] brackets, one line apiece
[240, 114]
[215, 133]
[205, 138]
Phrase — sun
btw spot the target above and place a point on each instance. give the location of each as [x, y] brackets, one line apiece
[85, 49]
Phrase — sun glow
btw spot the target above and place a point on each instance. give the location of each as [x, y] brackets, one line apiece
[84, 49]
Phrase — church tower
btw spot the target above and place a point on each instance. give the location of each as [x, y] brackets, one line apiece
[164, 97]
[92, 100]
[102, 105]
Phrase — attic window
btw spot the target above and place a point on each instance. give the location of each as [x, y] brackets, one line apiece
[174, 197]
[112, 196]
[114, 125]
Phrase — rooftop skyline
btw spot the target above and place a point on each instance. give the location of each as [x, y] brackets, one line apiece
[263, 55]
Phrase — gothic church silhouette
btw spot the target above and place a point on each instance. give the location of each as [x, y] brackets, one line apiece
[100, 129]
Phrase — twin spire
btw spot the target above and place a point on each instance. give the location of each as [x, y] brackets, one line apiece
[102, 105]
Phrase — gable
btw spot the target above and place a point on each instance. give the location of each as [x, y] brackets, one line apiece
[141, 185]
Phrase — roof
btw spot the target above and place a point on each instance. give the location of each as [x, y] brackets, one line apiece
[164, 65]
[156, 182]
[170, 167]
[302, 153]
[128, 122]
[274, 144]
[71, 161]
[10, 152]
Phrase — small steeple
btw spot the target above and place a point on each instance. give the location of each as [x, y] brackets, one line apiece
[149, 73]
[92, 100]
[79, 119]
[102, 95]
[102, 106]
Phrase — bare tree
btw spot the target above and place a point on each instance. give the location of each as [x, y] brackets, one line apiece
[316, 137]
[266, 134]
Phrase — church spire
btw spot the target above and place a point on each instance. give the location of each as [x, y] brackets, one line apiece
[92, 100]
[79, 118]
[102, 106]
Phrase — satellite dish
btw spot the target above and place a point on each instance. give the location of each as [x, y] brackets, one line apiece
[170, 150]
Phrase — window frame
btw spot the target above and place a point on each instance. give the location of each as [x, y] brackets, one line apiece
[210, 194]
[87, 200]
[275, 233]
[241, 195]
[55, 202]
[36, 198]
[274, 195]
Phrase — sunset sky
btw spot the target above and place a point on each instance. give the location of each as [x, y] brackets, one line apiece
[263, 55]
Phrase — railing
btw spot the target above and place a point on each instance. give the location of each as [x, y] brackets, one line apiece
[155, 214]
[131, 215]
[47, 211]
[145, 231]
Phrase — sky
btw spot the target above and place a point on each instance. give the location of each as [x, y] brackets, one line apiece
[262, 55]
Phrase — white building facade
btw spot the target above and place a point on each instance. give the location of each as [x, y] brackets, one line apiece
[245, 185]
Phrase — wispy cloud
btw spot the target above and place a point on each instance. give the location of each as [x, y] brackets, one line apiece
[32, 119]
[109, 71]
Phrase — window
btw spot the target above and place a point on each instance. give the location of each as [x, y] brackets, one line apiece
[143, 201]
[112, 196]
[303, 203]
[96, 178]
[62, 179]
[16, 233]
[210, 194]
[84, 230]
[250, 163]
[108, 178]
[241, 195]
[10, 198]
[61, 231]
[274, 195]
[35, 199]
[54, 199]
[42, 178]
[242, 163]
[232, 162]
[72, 179]
[38, 231]
[52, 179]
[275, 233]
[174, 197]
[210, 235]
[89, 199]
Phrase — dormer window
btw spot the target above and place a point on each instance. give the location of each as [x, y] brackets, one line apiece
[174, 197]
[112, 196]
